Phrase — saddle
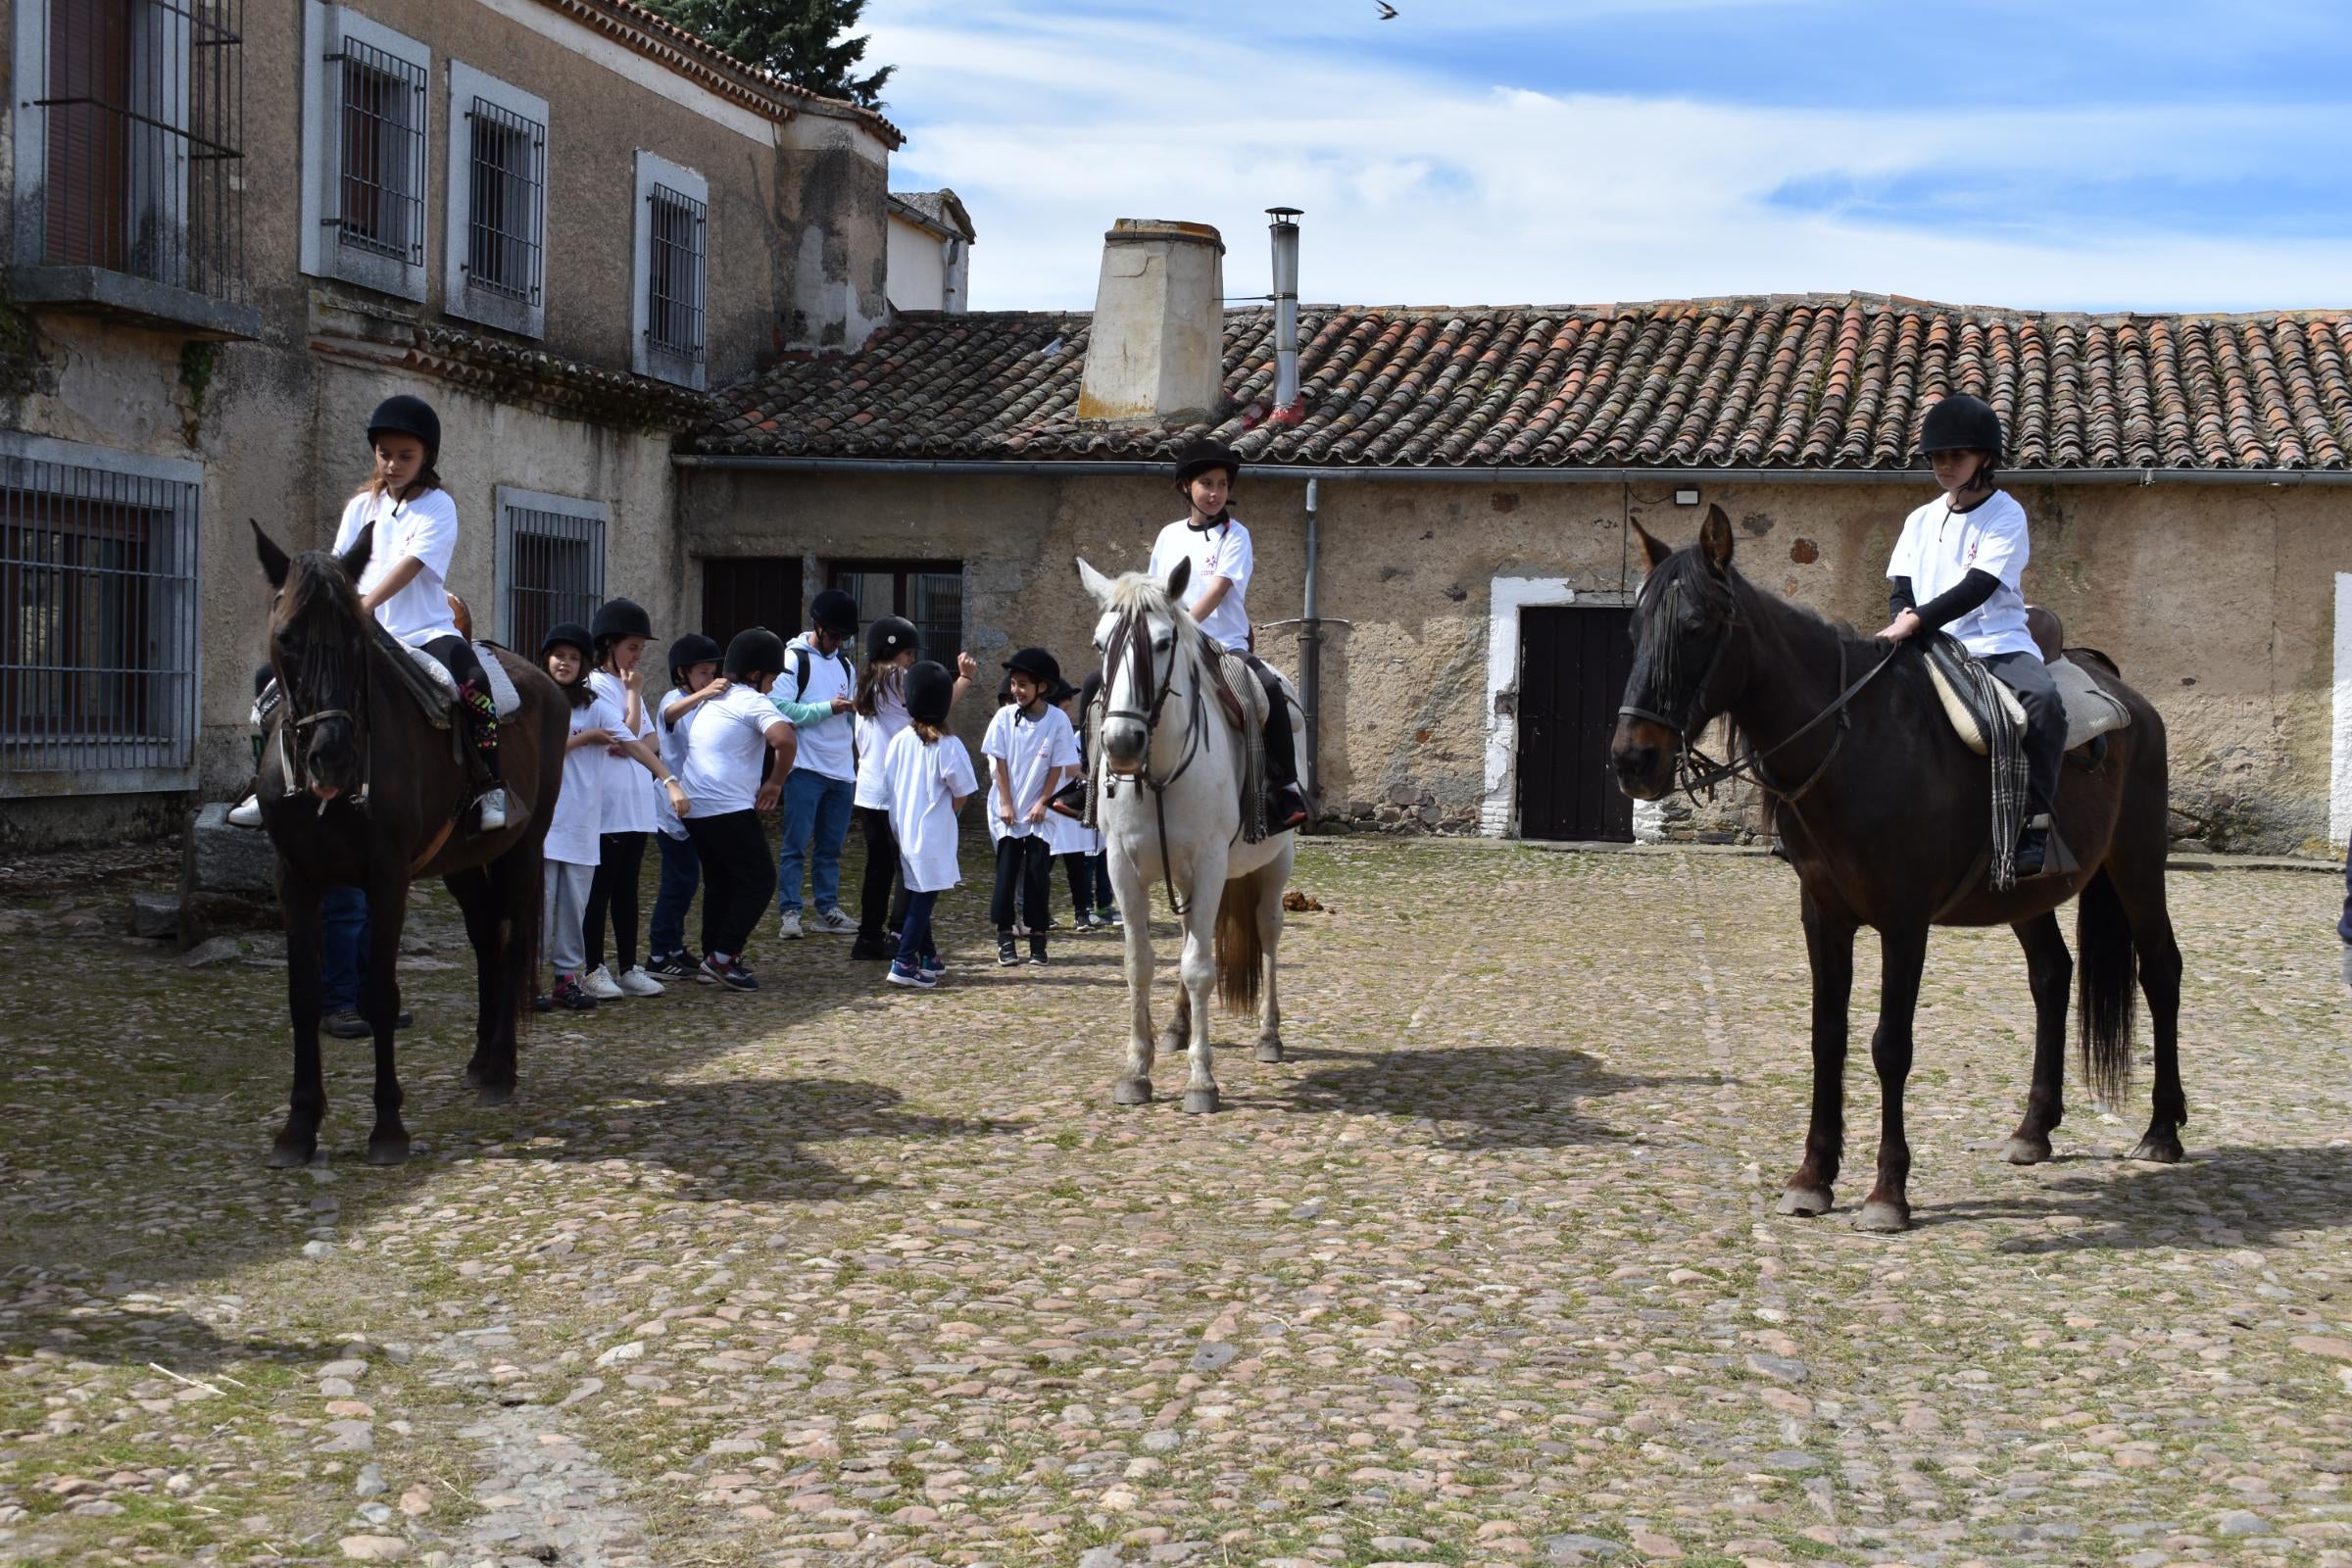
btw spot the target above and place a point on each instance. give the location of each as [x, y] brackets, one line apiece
[434, 690]
[2090, 711]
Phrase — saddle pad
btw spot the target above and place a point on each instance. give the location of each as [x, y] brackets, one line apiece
[2090, 711]
[502, 685]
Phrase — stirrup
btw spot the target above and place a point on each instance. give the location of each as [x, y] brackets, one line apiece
[1071, 798]
[492, 810]
[1286, 808]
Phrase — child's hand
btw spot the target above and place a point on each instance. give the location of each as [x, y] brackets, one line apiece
[968, 666]
[718, 688]
[1037, 812]
[616, 750]
[765, 800]
[842, 705]
[599, 736]
[1005, 812]
[678, 802]
[633, 682]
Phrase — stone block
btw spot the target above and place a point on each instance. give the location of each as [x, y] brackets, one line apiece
[220, 858]
[154, 915]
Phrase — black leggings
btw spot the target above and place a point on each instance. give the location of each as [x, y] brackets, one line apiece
[739, 877]
[1026, 863]
[620, 860]
[875, 903]
[456, 655]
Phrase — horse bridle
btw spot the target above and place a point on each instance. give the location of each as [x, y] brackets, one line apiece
[289, 760]
[1129, 638]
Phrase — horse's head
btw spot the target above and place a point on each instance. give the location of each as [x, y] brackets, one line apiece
[318, 646]
[1686, 623]
[1141, 633]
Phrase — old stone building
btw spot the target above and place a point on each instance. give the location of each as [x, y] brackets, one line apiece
[234, 228]
[1460, 485]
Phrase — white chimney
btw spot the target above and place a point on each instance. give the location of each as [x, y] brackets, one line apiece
[1285, 229]
[1157, 345]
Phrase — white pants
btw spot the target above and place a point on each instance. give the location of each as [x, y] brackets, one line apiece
[563, 917]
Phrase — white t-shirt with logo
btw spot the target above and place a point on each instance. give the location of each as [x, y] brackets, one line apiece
[1939, 546]
[874, 736]
[672, 739]
[629, 790]
[571, 833]
[426, 528]
[1223, 551]
[920, 785]
[723, 748]
[826, 742]
[1031, 750]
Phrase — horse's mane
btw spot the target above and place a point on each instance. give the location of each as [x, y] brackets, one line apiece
[315, 580]
[1139, 592]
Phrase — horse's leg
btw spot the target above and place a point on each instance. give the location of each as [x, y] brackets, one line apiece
[306, 1107]
[1133, 1087]
[1830, 947]
[1903, 953]
[2138, 873]
[2050, 969]
[387, 910]
[512, 952]
[1198, 971]
[475, 901]
[1269, 935]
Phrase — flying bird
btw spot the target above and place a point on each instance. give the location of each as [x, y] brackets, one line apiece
[1388, 12]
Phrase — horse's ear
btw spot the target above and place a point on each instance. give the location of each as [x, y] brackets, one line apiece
[1654, 551]
[1179, 577]
[1094, 582]
[275, 564]
[355, 560]
[1715, 540]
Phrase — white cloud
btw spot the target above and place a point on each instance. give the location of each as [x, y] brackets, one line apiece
[1420, 189]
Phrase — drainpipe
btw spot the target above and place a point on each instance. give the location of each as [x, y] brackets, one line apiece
[1310, 660]
[1285, 232]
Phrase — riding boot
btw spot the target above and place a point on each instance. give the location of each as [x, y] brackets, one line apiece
[481, 718]
[2033, 850]
[1286, 801]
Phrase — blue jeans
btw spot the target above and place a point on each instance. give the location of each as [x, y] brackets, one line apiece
[681, 875]
[914, 936]
[817, 807]
[342, 947]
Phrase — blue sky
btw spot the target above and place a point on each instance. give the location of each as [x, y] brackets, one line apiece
[2098, 156]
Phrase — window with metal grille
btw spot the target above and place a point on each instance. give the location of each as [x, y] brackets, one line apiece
[551, 564]
[673, 255]
[98, 622]
[365, 121]
[495, 253]
[928, 593]
[130, 136]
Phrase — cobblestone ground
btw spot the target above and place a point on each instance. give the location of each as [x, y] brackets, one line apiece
[1484, 1273]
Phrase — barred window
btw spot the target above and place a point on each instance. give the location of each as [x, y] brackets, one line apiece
[496, 252]
[365, 124]
[98, 622]
[551, 564]
[673, 256]
[131, 143]
[928, 593]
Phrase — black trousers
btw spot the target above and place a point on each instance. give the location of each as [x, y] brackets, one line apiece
[2045, 724]
[875, 903]
[1029, 864]
[620, 861]
[456, 655]
[739, 877]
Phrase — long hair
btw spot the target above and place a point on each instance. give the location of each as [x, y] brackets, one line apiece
[929, 733]
[428, 479]
[877, 675]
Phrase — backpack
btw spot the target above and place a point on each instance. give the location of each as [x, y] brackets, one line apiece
[800, 665]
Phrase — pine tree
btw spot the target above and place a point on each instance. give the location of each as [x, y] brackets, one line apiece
[806, 42]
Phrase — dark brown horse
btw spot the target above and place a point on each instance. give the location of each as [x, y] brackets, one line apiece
[1886, 817]
[380, 787]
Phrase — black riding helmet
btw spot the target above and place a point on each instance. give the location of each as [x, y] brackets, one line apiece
[564, 632]
[835, 612]
[886, 639]
[1037, 663]
[1961, 422]
[404, 414]
[929, 690]
[621, 618]
[690, 650]
[757, 649]
[1204, 453]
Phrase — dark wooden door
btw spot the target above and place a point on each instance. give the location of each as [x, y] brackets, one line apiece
[740, 592]
[1573, 666]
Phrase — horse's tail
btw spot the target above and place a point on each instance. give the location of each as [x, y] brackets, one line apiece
[2105, 976]
[1240, 952]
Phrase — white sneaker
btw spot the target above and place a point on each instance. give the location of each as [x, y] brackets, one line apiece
[247, 812]
[494, 817]
[637, 983]
[598, 982]
[834, 923]
[789, 927]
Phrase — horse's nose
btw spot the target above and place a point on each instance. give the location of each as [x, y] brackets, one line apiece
[1638, 761]
[1124, 741]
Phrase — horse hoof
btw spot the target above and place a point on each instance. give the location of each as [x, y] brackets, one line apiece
[2026, 1151]
[1803, 1201]
[1199, 1102]
[473, 1077]
[494, 1095]
[389, 1150]
[2158, 1150]
[284, 1156]
[1269, 1050]
[1131, 1092]
[1885, 1218]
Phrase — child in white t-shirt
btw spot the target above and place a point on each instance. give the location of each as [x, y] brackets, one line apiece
[925, 777]
[878, 712]
[693, 671]
[1075, 844]
[1031, 749]
[596, 724]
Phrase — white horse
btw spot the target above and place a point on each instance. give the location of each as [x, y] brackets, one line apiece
[1168, 788]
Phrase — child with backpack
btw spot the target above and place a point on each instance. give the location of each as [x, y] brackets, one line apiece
[926, 776]
[1031, 748]
[823, 786]
[1075, 844]
[694, 679]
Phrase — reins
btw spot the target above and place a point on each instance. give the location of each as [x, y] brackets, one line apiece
[1128, 640]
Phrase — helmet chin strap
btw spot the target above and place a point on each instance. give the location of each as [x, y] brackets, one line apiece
[1224, 516]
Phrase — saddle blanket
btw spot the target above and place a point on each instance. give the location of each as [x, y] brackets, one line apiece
[502, 685]
[2090, 711]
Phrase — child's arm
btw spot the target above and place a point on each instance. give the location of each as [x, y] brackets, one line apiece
[1053, 781]
[595, 735]
[967, 671]
[694, 700]
[404, 572]
[802, 713]
[632, 709]
[1003, 779]
[659, 769]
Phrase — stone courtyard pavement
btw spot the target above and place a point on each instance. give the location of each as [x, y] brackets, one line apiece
[1484, 1273]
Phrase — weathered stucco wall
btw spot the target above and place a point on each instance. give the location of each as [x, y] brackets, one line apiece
[918, 270]
[2218, 600]
[832, 220]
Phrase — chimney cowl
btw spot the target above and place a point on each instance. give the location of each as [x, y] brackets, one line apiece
[1156, 351]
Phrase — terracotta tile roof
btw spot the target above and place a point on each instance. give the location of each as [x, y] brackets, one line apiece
[1782, 382]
